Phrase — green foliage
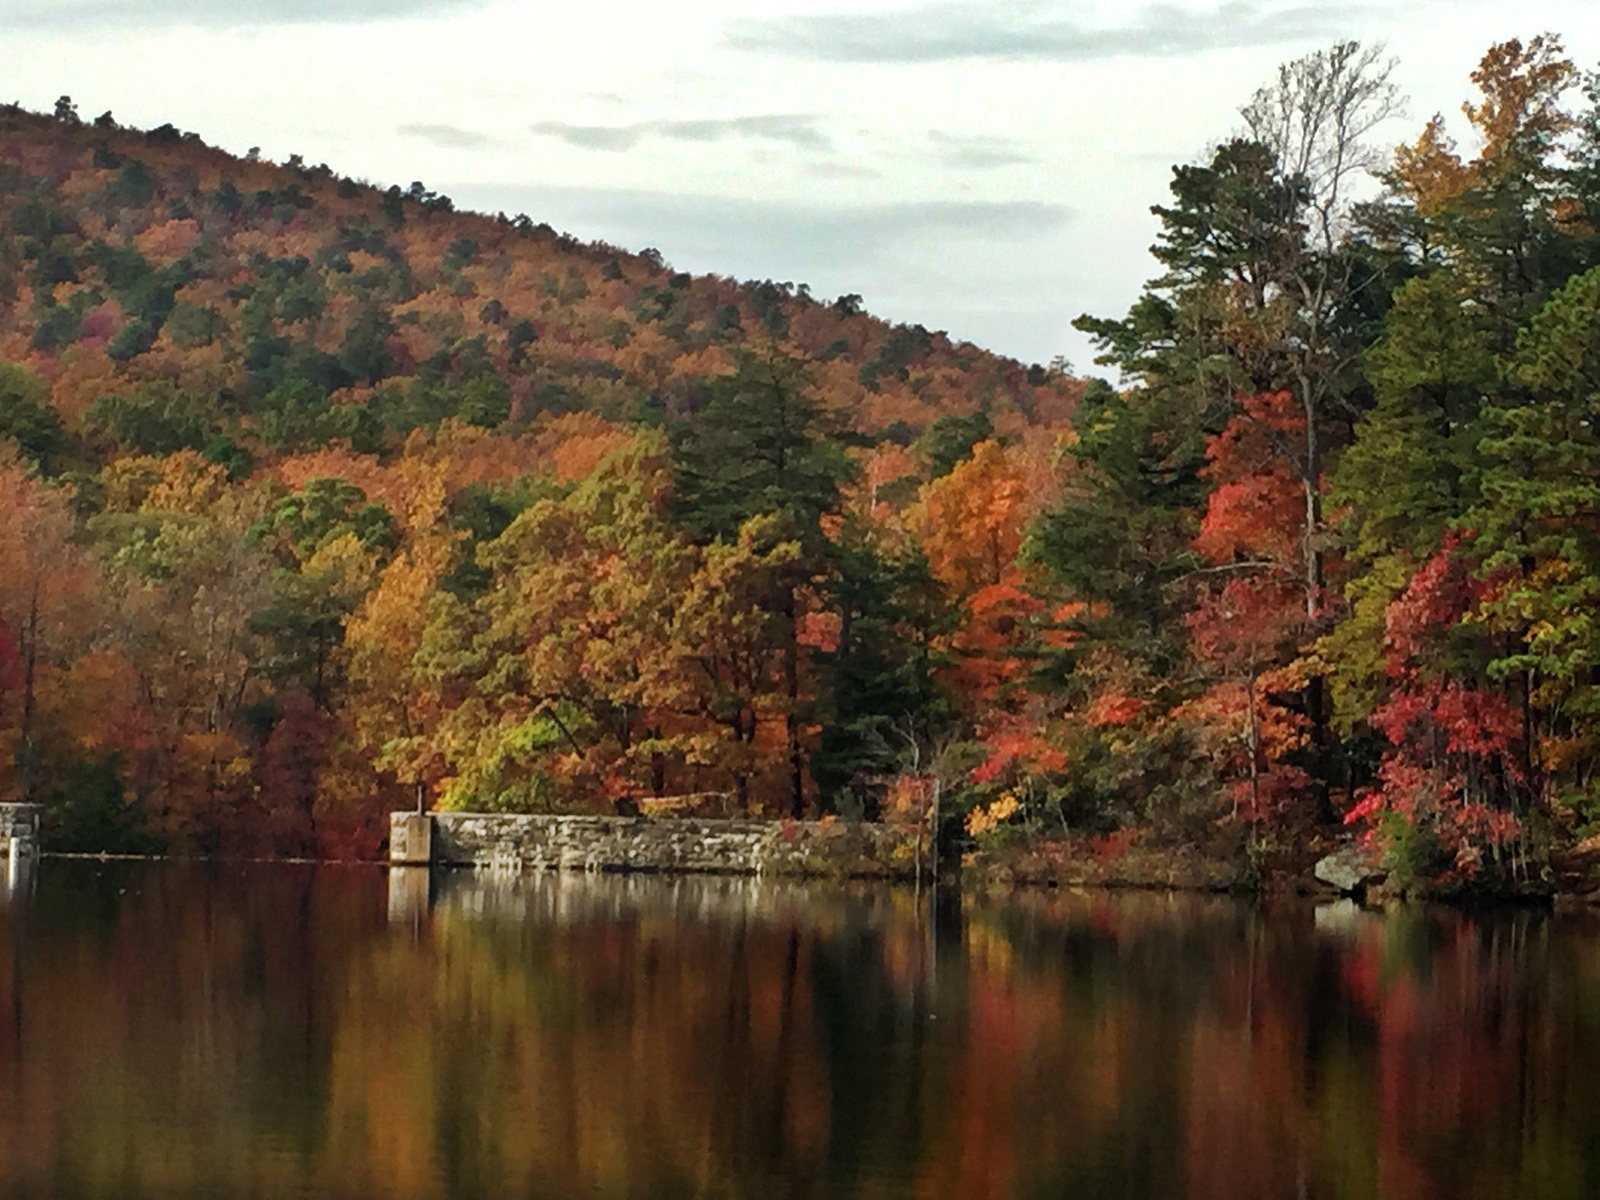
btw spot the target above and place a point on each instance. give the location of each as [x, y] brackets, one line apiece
[58, 327]
[299, 415]
[39, 219]
[364, 351]
[483, 513]
[463, 252]
[89, 811]
[757, 447]
[1231, 219]
[323, 510]
[949, 440]
[132, 340]
[905, 346]
[1412, 850]
[148, 294]
[1122, 534]
[230, 455]
[1541, 494]
[27, 418]
[192, 326]
[133, 187]
[1414, 463]
[484, 400]
[156, 419]
[303, 628]
[883, 699]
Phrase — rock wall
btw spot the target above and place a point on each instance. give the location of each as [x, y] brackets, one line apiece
[826, 849]
[20, 821]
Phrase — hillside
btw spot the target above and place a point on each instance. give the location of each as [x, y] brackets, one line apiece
[132, 257]
[274, 430]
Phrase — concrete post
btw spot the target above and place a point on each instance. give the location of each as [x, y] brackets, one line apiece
[19, 834]
[410, 839]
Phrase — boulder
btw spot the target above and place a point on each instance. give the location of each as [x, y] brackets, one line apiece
[1349, 869]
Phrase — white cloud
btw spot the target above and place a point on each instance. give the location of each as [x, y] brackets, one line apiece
[924, 156]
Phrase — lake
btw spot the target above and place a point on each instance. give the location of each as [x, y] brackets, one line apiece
[272, 1031]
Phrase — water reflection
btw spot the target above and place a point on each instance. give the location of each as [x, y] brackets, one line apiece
[285, 1031]
[20, 866]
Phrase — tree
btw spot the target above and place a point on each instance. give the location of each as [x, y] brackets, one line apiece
[27, 418]
[882, 697]
[1265, 292]
[1462, 412]
[156, 419]
[331, 542]
[44, 605]
[575, 672]
[759, 450]
[1538, 532]
[1316, 118]
[758, 446]
[1121, 536]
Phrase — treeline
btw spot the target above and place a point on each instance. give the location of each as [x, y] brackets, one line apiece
[330, 499]
[1352, 496]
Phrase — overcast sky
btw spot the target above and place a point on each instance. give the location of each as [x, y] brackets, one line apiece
[984, 168]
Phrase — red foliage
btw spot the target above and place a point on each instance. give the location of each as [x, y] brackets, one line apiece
[1017, 746]
[1249, 625]
[1274, 795]
[1112, 846]
[1460, 720]
[1456, 749]
[1439, 594]
[10, 664]
[288, 769]
[345, 840]
[1111, 710]
[1258, 509]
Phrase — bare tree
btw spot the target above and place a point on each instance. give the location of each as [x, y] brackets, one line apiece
[1316, 117]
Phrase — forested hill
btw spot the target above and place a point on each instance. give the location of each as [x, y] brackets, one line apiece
[282, 454]
[298, 307]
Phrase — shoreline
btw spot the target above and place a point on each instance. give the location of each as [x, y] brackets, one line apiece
[1178, 872]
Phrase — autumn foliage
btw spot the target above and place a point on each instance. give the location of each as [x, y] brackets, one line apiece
[318, 499]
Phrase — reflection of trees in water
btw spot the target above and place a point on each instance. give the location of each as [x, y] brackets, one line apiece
[211, 1030]
[176, 1022]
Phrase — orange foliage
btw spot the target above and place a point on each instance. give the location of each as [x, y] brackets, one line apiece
[973, 520]
[1258, 508]
[166, 243]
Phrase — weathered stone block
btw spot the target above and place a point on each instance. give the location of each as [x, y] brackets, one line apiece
[21, 821]
[411, 838]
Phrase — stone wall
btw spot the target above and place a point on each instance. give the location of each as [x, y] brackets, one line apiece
[831, 849]
[20, 821]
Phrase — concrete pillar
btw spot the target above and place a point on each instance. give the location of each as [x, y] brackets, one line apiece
[411, 839]
[19, 839]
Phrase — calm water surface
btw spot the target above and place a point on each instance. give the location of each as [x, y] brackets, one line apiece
[289, 1031]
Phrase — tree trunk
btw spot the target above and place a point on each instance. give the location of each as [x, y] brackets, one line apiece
[28, 750]
[791, 722]
[791, 718]
[1315, 689]
[1255, 757]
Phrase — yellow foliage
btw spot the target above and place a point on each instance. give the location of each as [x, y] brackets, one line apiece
[986, 819]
